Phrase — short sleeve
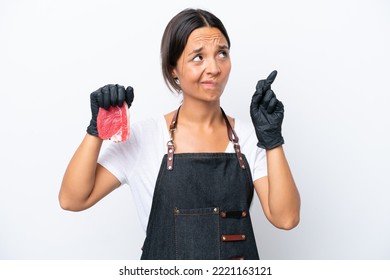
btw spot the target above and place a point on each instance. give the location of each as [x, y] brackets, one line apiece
[256, 156]
[120, 158]
[260, 164]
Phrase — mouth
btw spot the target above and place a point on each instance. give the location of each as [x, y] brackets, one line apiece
[209, 84]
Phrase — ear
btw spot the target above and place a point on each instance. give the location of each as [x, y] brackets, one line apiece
[174, 74]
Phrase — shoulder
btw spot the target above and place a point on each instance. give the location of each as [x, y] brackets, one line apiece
[148, 128]
[149, 136]
[148, 124]
[142, 133]
[244, 130]
[256, 156]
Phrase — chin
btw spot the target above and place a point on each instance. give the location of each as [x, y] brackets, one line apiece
[213, 97]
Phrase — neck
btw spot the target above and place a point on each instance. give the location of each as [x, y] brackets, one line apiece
[201, 114]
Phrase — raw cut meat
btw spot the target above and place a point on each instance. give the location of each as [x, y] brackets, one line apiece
[114, 123]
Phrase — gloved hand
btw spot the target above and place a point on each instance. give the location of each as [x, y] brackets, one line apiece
[267, 114]
[109, 95]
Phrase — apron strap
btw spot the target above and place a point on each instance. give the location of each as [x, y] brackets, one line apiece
[231, 134]
[234, 139]
[171, 143]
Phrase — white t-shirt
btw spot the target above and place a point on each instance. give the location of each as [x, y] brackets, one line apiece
[137, 161]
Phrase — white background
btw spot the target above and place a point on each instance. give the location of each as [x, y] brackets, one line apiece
[333, 60]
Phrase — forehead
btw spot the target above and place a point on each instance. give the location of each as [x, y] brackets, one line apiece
[206, 35]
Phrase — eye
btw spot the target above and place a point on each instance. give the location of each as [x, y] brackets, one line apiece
[198, 58]
[223, 54]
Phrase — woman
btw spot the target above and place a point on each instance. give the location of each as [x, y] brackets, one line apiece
[195, 201]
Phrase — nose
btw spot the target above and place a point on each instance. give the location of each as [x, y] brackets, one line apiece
[212, 67]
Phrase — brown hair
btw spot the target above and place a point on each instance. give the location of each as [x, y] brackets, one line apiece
[176, 35]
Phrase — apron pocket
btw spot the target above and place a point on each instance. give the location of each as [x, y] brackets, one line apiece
[197, 234]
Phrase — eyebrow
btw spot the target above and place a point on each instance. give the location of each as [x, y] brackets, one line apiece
[198, 50]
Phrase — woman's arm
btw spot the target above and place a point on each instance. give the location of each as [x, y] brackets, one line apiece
[85, 181]
[278, 193]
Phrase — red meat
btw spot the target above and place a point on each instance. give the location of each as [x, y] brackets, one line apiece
[113, 123]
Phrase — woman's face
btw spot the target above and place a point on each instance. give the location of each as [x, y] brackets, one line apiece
[204, 66]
